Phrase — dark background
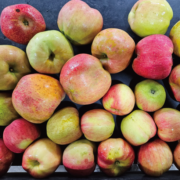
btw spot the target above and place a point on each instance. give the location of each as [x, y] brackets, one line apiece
[115, 14]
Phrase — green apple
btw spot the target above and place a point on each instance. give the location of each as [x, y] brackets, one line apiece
[149, 17]
[48, 51]
[150, 95]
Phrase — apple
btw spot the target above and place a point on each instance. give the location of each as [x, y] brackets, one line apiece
[154, 57]
[48, 51]
[6, 158]
[79, 22]
[97, 125]
[20, 22]
[13, 65]
[64, 126]
[7, 111]
[119, 100]
[174, 82]
[36, 97]
[150, 95]
[138, 127]
[155, 158]
[84, 80]
[115, 156]
[176, 156]
[19, 135]
[114, 47]
[78, 158]
[168, 123]
[42, 158]
[149, 17]
[175, 37]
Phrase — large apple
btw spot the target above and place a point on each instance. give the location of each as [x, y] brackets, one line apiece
[19, 135]
[64, 126]
[6, 158]
[7, 111]
[20, 22]
[78, 158]
[48, 51]
[36, 97]
[114, 47]
[150, 95]
[155, 158]
[176, 155]
[154, 57]
[97, 125]
[84, 79]
[115, 156]
[168, 123]
[13, 65]
[149, 17]
[119, 100]
[79, 22]
[41, 158]
[138, 127]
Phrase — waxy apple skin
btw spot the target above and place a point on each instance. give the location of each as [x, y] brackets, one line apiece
[79, 22]
[42, 158]
[36, 97]
[168, 123]
[138, 127]
[20, 22]
[154, 57]
[150, 95]
[119, 100]
[149, 17]
[155, 158]
[19, 135]
[114, 47]
[84, 80]
[48, 51]
[64, 126]
[115, 156]
[78, 158]
[6, 158]
[14, 65]
[176, 155]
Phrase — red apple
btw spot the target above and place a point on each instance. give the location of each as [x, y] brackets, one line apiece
[176, 155]
[115, 156]
[20, 22]
[155, 158]
[154, 57]
[6, 158]
[84, 79]
[19, 135]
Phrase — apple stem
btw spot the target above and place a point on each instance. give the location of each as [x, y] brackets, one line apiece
[11, 69]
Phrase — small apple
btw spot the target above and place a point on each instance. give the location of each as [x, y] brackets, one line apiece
[168, 123]
[14, 64]
[115, 156]
[7, 111]
[155, 158]
[176, 155]
[149, 17]
[79, 22]
[114, 47]
[119, 100]
[42, 158]
[138, 127]
[19, 135]
[97, 125]
[20, 22]
[63, 124]
[154, 57]
[36, 97]
[48, 51]
[150, 95]
[6, 158]
[78, 158]
[84, 80]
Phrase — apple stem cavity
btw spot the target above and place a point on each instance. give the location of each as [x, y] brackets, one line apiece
[152, 91]
[34, 163]
[11, 69]
[117, 162]
[51, 57]
[18, 10]
[26, 23]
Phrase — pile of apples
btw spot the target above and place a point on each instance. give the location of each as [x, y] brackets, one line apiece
[85, 79]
